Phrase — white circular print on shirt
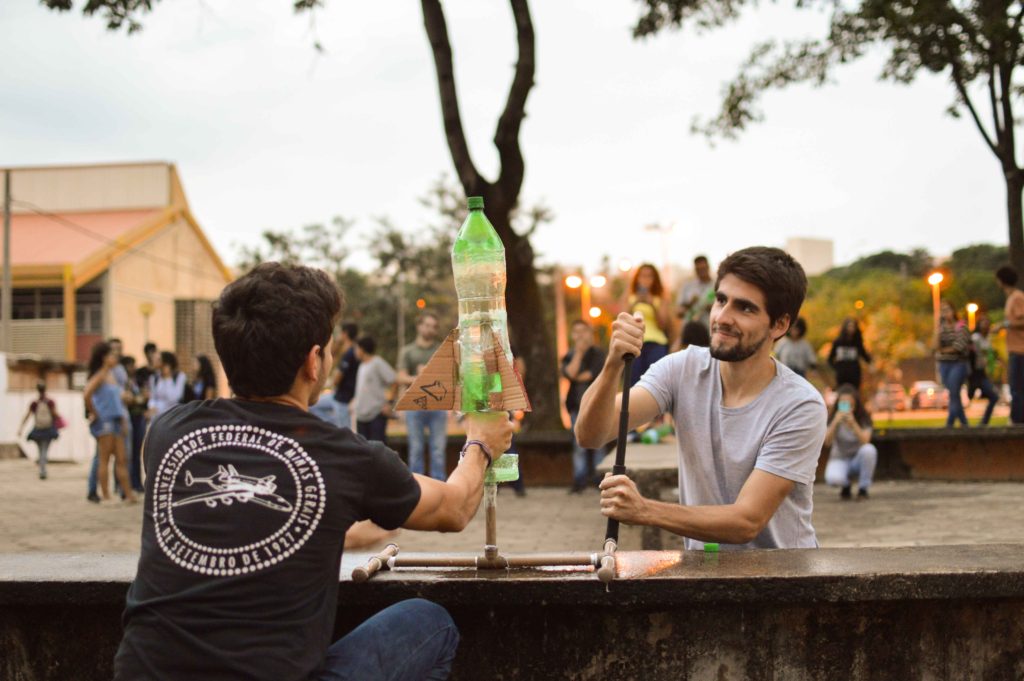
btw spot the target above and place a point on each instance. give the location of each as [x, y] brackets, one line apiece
[226, 519]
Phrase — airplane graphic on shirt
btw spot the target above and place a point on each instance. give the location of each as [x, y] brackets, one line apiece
[228, 486]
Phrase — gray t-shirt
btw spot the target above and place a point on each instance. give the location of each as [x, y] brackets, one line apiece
[780, 432]
[373, 379]
[845, 442]
[798, 355]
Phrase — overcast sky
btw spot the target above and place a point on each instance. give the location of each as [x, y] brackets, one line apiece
[268, 134]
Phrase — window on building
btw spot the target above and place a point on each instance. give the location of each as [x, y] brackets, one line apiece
[37, 303]
[89, 312]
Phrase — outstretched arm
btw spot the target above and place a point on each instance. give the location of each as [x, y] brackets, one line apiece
[737, 523]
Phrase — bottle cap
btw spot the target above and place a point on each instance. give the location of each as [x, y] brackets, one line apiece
[710, 547]
[476, 203]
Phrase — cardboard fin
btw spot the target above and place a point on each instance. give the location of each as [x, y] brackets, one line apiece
[435, 386]
[513, 395]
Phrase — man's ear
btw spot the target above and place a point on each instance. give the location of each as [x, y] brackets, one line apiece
[781, 327]
[311, 366]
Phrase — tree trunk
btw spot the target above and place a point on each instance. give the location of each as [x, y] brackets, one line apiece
[1015, 217]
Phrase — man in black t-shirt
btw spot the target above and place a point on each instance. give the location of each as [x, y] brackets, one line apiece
[581, 365]
[250, 500]
[345, 375]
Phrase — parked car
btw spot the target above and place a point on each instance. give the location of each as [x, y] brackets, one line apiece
[928, 395]
[890, 397]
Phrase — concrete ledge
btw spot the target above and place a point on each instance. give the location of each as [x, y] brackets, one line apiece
[954, 612]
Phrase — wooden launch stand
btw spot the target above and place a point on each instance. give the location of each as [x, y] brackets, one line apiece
[436, 387]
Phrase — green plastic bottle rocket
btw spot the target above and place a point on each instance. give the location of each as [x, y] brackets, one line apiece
[478, 261]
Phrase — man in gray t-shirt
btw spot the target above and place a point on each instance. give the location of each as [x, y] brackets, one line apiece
[374, 381]
[749, 430]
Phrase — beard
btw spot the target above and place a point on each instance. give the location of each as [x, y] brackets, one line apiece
[737, 353]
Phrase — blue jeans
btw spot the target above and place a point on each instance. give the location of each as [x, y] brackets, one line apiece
[138, 434]
[414, 640]
[980, 382]
[583, 460]
[953, 375]
[839, 471]
[435, 423]
[342, 414]
[1015, 377]
[374, 429]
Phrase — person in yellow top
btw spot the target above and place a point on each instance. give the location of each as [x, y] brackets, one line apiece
[647, 297]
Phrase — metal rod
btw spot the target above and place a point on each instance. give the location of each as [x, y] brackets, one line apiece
[568, 559]
[491, 525]
[363, 573]
[619, 468]
[6, 293]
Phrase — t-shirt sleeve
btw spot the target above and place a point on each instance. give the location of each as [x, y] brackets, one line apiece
[662, 378]
[393, 492]
[387, 374]
[792, 447]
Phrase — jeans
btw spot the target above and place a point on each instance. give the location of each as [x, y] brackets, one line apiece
[583, 460]
[953, 375]
[342, 413]
[414, 640]
[435, 423]
[980, 382]
[325, 410]
[839, 471]
[374, 429]
[1015, 377]
[94, 469]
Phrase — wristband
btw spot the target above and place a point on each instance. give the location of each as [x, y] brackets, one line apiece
[483, 448]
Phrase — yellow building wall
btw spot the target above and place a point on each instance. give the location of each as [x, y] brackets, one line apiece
[173, 265]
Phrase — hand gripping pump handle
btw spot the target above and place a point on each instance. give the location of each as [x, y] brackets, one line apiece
[607, 570]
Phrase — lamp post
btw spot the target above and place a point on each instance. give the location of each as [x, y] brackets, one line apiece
[935, 278]
[972, 311]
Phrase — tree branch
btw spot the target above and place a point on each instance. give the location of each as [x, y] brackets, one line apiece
[506, 137]
[961, 89]
[440, 45]
[994, 102]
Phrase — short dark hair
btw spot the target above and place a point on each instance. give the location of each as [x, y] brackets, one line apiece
[696, 334]
[148, 348]
[351, 330]
[801, 326]
[170, 359]
[700, 259]
[367, 345]
[114, 340]
[1007, 275]
[581, 322]
[780, 278]
[423, 316]
[266, 322]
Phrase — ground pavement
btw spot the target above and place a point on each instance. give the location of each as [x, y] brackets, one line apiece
[53, 515]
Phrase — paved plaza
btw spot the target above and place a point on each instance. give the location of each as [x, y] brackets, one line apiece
[53, 515]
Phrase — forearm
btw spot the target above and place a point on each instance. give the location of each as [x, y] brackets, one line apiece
[466, 488]
[727, 524]
[595, 425]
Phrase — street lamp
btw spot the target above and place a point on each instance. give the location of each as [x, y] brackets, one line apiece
[935, 278]
[972, 310]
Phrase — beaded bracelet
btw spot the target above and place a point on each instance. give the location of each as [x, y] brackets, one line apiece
[483, 448]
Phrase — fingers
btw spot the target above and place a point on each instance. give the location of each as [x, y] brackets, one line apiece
[627, 337]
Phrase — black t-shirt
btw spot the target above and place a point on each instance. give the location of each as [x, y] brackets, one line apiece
[348, 365]
[246, 512]
[593, 361]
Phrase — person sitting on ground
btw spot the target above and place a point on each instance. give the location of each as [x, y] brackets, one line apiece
[749, 430]
[44, 427]
[849, 436]
[252, 499]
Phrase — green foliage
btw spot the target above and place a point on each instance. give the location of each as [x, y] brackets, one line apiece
[917, 263]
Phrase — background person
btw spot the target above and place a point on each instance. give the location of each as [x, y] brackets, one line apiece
[795, 351]
[167, 387]
[426, 428]
[43, 411]
[983, 358]
[694, 333]
[647, 298]
[849, 436]
[581, 365]
[697, 295]
[344, 380]
[203, 385]
[952, 353]
[847, 352]
[374, 383]
[120, 375]
[1014, 325]
[136, 401]
[111, 419]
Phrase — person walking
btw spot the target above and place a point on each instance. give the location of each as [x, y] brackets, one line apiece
[344, 379]
[374, 382]
[846, 354]
[982, 356]
[953, 342]
[581, 365]
[110, 422]
[44, 427]
[427, 428]
[849, 437]
[1013, 322]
